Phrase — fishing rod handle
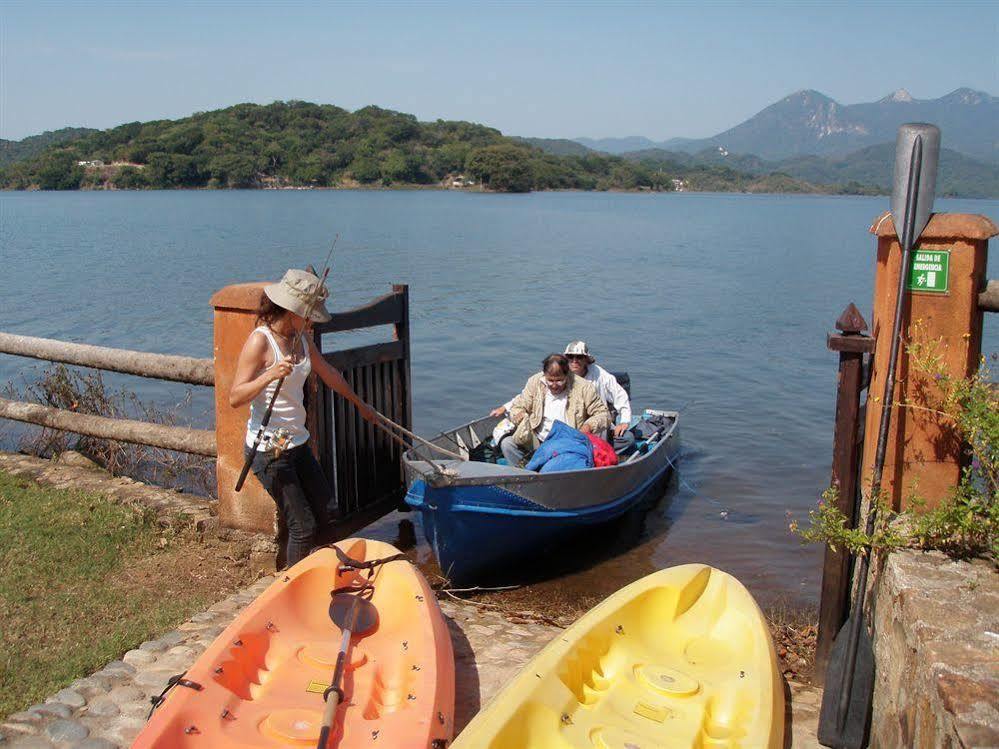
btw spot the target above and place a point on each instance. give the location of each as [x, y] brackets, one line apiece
[260, 436]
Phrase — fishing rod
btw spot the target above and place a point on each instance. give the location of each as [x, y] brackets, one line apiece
[316, 297]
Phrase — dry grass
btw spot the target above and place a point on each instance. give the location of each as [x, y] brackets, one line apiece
[84, 391]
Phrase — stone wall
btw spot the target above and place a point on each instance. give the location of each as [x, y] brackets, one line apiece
[936, 647]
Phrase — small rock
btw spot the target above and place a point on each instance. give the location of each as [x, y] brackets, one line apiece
[93, 685]
[115, 667]
[73, 458]
[55, 709]
[103, 707]
[125, 693]
[154, 680]
[93, 743]
[71, 698]
[138, 658]
[153, 646]
[170, 639]
[67, 730]
[31, 742]
[20, 728]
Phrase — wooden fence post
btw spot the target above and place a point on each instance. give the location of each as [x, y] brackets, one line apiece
[852, 344]
[252, 508]
[947, 275]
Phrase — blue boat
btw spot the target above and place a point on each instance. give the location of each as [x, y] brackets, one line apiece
[480, 516]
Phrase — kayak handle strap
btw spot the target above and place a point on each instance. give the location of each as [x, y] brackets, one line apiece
[177, 680]
[349, 564]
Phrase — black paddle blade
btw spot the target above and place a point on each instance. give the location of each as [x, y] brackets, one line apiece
[367, 614]
[853, 733]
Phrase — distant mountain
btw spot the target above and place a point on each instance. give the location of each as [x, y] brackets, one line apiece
[810, 123]
[555, 146]
[619, 145]
[870, 168]
[12, 151]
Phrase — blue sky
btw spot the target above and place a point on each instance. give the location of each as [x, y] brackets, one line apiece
[544, 69]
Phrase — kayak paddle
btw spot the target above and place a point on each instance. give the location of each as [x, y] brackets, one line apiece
[846, 703]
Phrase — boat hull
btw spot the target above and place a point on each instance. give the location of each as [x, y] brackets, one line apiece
[261, 683]
[479, 528]
[680, 659]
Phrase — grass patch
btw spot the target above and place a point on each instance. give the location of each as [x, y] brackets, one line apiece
[82, 580]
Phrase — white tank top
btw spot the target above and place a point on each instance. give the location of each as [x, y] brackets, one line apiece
[289, 409]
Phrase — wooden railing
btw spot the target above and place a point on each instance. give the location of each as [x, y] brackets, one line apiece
[156, 366]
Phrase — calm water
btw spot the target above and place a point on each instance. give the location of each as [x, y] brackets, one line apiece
[717, 305]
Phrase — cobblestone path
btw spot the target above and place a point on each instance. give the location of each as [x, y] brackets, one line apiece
[108, 708]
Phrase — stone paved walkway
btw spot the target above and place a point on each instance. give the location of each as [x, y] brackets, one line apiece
[108, 708]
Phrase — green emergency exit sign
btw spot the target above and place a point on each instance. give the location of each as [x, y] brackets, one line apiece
[930, 271]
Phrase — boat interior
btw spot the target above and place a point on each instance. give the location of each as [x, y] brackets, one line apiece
[482, 459]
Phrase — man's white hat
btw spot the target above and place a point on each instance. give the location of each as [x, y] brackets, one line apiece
[578, 348]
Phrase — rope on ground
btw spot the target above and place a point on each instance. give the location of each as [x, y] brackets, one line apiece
[517, 616]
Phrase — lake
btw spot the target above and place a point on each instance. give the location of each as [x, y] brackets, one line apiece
[717, 305]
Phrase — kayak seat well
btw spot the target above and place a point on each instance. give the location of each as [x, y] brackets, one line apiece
[672, 667]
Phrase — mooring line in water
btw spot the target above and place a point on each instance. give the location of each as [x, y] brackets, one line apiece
[690, 488]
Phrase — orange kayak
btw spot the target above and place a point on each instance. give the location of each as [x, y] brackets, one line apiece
[261, 683]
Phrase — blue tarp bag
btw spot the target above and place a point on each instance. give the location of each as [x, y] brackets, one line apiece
[566, 449]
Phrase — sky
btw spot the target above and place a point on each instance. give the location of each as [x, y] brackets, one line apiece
[545, 69]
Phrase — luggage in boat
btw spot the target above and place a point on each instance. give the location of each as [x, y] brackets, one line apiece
[681, 658]
[483, 518]
[261, 683]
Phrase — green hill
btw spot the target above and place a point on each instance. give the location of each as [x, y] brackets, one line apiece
[12, 151]
[301, 144]
[295, 144]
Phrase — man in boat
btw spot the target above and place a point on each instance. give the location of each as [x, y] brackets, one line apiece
[555, 393]
[584, 365]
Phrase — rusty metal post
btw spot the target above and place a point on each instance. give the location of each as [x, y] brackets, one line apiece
[947, 276]
[252, 509]
[852, 344]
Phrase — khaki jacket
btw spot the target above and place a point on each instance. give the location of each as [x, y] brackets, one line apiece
[584, 407]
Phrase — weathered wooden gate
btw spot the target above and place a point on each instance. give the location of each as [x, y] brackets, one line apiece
[364, 463]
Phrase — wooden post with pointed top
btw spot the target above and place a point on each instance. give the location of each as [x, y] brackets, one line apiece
[852, 343]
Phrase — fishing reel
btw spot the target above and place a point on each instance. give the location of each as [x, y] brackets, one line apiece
[278, 441]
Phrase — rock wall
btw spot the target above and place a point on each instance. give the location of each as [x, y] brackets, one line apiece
[936, 646]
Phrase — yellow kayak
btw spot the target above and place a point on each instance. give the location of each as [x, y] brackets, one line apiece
[681, 658]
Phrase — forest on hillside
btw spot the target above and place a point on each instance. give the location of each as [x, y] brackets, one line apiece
[299, 144]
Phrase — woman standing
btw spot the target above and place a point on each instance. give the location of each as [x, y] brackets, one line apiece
[281, 347]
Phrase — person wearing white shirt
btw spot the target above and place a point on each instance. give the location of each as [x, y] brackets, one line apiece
[584, 365]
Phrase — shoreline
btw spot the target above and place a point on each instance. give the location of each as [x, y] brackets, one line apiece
[437, 188]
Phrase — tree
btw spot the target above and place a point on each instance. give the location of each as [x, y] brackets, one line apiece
[366, 169]
[130, 178]
[503, 168]
[59, 171]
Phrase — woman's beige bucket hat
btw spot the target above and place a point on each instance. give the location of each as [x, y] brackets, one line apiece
[296, 292]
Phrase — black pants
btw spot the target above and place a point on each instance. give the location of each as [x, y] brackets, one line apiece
[296, 482]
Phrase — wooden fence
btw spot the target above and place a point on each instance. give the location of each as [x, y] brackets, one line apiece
[155, 366]
[364, 464]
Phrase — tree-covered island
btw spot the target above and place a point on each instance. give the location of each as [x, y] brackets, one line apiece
[299, 144]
